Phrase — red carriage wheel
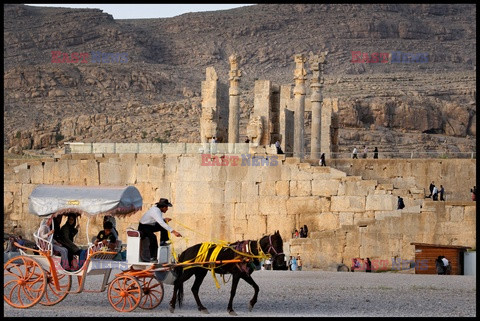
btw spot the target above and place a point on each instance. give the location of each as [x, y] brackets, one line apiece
[53, 296]
[125, 293]
[152, 292]
[24, 282]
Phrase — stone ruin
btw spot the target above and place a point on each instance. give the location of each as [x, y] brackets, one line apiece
[277, 116]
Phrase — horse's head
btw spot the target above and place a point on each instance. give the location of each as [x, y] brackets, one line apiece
[273, 245]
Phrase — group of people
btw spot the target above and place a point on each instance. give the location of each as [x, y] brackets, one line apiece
[302, 234]
[435, 192]
[361, 264]
[442, 265]
[62, 238]
[365, 152]
[295, 263]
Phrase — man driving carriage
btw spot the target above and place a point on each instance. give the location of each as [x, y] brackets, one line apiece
[153, 221]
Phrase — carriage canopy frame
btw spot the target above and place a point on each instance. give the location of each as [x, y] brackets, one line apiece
[46, 200]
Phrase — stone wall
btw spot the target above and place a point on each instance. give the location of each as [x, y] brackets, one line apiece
[348, 216]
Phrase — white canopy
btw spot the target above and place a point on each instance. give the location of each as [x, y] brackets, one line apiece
[91, 200]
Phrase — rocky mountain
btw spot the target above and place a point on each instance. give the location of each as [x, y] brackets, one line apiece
[149, 89]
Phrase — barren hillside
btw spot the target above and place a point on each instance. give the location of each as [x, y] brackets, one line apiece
[155, 96]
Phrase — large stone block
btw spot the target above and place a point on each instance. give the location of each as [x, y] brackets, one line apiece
[237, 173]
[357, 188]
[301, 188]
[109, 174]
[381, 203]
[36, 173]
[267, 188]
[272, 205]
[307, 205]
[345, 218]
[299, 174]
[249, 191]
[327, 222]
[233, 191]
[149, 148]
[403, 182]
[257, 226]
[455, 213]
[282, 188]
[240, 211]
[8, 200]
[325, 187]
[348, 204]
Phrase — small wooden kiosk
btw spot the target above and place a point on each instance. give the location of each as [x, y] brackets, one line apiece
[426, 254]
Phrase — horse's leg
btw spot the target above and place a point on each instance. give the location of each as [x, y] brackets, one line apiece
[236, 278]
[182, 276]
[200, 274]
[249, 280]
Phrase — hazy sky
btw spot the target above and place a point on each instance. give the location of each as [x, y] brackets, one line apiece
[139, 11]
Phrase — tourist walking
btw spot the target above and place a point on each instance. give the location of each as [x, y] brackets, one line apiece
[354, 153]
[299, 263]
[368, 265]
[293, 265]
[365, 151]
[375, 153]
[322, 160]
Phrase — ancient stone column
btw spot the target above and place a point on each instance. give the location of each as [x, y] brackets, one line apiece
[299, 92]
[234, 105]
[316, 63]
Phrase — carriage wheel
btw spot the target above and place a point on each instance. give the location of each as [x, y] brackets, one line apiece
[152, 292]
[24, 282]
[53, 296]
[125, 293]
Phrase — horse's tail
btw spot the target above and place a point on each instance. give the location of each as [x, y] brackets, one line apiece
[179, 283]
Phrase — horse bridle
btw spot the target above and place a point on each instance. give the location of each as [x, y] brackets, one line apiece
[270, 247]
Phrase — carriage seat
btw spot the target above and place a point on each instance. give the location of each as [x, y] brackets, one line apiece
[137, 247]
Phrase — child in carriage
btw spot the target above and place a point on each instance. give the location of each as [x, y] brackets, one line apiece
[106, 236]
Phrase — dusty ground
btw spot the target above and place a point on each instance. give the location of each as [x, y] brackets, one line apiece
[295, 294]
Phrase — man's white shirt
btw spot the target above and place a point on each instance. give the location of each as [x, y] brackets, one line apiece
[154, 215]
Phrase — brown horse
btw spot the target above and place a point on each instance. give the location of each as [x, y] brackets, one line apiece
[269, 245]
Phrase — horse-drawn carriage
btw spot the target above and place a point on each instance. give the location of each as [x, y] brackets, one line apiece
[37, 275]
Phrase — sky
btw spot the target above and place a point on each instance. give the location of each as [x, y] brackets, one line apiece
[141, 11]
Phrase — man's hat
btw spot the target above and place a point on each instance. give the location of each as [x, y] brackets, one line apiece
[164, 202]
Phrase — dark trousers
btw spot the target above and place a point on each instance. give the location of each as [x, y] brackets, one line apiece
[149, 231]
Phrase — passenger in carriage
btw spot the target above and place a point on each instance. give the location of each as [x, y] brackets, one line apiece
[106, 236]
[67, 233]
[110, 218]
[45, 232]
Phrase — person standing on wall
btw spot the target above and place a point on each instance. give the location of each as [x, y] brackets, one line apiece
[435, 193]
[354, 153]
[279, 149]
[432, 185]
[442, 192]
[153, 221]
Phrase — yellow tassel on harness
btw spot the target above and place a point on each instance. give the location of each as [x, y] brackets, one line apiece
[202, 257]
